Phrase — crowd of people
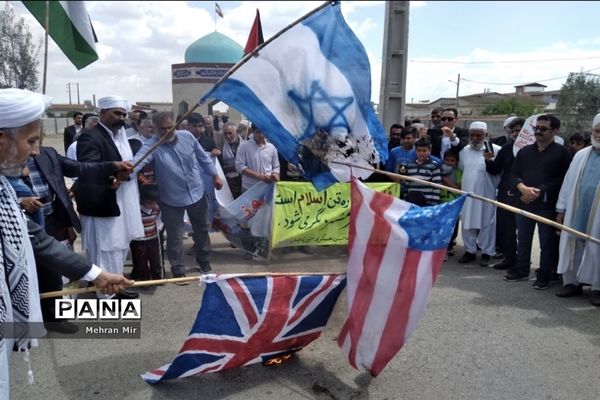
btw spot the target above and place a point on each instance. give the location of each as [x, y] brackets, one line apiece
[128, 190]
[546, 178]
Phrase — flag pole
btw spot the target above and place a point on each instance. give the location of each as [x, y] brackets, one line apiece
[47, 25]
[231, 71]
[156, 282]
[512, 209]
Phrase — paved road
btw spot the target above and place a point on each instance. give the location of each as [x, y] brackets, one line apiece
[480, 338]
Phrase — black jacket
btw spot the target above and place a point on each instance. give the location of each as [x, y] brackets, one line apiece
[54, 256]
[96, 198]
[69, 136]
[55, 167]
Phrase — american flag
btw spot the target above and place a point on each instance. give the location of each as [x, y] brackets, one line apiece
[245, 320]
[396, 250]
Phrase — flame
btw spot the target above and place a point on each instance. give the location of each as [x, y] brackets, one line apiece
[276, 361]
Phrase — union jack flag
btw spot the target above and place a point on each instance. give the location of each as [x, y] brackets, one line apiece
[245, 320]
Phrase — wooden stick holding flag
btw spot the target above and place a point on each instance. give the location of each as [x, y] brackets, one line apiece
[157, 282]
[512, 209]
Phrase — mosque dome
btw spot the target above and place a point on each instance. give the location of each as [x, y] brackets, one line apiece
[214, 48]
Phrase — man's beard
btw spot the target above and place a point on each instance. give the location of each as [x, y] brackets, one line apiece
[595, 143]
[11, 166]
[118, 125]
[476, 146]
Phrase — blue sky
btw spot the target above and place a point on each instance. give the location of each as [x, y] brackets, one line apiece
[138, 41]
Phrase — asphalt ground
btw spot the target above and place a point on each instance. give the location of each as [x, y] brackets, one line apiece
[480, 338]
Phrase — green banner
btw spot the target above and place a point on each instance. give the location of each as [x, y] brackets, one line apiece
[303, 216]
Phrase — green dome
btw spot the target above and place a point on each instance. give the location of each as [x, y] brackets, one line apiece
[214, 48]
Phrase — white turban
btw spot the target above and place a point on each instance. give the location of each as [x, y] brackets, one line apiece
[596, 121]
[507, 121]
[19, 107]
[113, 102]
[478, 125]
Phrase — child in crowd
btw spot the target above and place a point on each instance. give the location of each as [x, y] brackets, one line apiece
[145, 252]
[578, 141]
[451, 177]
[426, 169]
[405, 153]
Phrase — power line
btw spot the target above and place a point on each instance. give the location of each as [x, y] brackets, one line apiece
[502, 61]
[522, 83]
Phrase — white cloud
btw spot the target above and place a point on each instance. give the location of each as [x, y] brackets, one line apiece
[430, 80]
[138, 42]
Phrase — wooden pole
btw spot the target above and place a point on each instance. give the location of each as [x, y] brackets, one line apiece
[47, 25]
[512, 209]
[68, 292]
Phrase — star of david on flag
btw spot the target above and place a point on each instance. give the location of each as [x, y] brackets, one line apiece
[309, 91]
[246, 320]
[396, 250]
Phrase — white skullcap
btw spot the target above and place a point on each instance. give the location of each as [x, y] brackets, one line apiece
[508, 121]
[19, 107]
[596, 121]
[478, 125]
[113, 102]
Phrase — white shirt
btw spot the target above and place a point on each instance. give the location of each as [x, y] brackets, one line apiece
[262, 159]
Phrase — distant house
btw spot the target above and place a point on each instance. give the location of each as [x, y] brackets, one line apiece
[66, 110]
[530, 88]
[152, 106]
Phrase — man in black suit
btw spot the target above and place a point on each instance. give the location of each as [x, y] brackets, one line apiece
[47, 170]
[448, 135]
[72, 130]
[110, 214]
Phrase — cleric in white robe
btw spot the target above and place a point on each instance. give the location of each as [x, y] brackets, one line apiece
[109, 220]
[478, 219]
[579, 204]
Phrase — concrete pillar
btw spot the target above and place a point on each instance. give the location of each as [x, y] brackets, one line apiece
[393, 66]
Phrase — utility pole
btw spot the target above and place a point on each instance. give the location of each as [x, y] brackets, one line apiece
[457, 83]
[78, 102]
[457, 87]
[69, 90]
[393, 63]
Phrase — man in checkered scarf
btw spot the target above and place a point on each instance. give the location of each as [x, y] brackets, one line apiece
[20, 128]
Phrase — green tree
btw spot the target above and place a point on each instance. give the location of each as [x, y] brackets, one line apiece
[18, 52]
[578, 102]
[511, 106]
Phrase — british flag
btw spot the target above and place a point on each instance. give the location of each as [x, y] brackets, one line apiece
[247, 319]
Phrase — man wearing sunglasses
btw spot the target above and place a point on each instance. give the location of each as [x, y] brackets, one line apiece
[448, 135]
[538, 172]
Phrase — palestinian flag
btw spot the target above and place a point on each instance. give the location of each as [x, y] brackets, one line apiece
[70, 27]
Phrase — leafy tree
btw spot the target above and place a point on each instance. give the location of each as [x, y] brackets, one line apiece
[578, 102]
[511, 106]
[18, 52]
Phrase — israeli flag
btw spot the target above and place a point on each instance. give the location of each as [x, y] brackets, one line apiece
[309, 91]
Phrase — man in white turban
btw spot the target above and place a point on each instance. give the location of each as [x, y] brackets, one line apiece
[110, 216]
[20, 128]
[478, 219]
[578, 207]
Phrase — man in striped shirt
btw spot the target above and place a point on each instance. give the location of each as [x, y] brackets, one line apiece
[426, 169]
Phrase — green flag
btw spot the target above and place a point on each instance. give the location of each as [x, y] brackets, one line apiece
[70, 27]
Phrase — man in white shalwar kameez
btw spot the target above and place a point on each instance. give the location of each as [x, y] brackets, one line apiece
[578, 207]
[478, 219]
[105, 239]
